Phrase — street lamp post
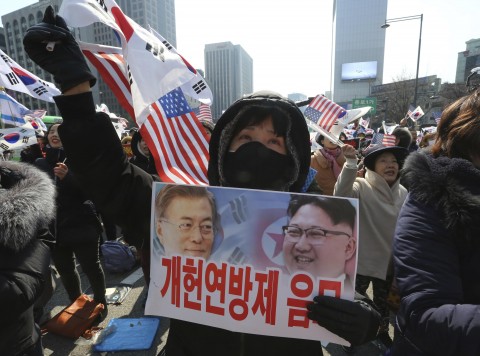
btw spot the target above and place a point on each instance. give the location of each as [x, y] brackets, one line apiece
[406, 18]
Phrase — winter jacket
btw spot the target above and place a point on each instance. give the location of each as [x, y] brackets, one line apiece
[120, 190]
[124, 191]
[26, 209]
[437, 258]
[379, 205]
[76, 220]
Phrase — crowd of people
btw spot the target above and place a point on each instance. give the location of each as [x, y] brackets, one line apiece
[417, 228]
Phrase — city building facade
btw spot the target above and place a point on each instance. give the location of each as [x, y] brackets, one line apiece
[229, 73]
[358, 47]
[467, 60]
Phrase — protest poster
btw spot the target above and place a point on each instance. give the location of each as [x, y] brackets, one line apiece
[233, 258]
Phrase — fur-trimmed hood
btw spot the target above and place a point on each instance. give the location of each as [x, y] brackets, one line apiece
[25, 207]
[450, 185]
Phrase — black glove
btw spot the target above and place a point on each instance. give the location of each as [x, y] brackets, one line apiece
[66, 62]
[357, 321]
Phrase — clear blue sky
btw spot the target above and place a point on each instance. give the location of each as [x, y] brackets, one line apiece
[290, 41]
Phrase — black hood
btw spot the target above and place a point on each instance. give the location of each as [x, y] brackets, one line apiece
[451, 185]
[297, 140]
[134, 145]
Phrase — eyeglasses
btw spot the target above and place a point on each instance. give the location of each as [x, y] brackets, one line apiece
[314, 235]
[206, 229]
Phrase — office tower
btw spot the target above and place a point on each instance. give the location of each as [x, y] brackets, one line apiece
[467, 60]
[359, 46]
[3, 42]
[229, 73]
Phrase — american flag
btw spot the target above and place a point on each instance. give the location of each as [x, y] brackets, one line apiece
[383, 139]
[411, 108]
[172, 131]
[203, 112]
[324, 112]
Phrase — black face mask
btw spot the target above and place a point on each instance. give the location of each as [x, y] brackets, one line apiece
[255, 166]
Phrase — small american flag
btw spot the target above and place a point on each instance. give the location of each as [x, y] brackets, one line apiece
[388, 140]
[203, 112]
[411, 108]
[383, 139]
[324, 112]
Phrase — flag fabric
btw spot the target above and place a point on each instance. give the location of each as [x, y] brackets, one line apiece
[364, 122]
[416, 114]
[324, 112]
[383, 139]
[388, 140]
[179, 145]
[17, 138]
[152, 69]
[12, 111]
[35, 117]
[411, 108]
[203, 112]
[196, 87]
[15, 78]
[111, 65]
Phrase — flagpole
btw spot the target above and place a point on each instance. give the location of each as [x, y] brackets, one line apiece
[2, 125]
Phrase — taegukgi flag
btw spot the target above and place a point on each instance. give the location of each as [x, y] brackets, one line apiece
[14, 77]
[153, 70]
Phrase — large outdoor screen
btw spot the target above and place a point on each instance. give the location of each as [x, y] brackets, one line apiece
[359, 70]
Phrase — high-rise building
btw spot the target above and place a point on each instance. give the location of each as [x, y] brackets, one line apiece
[467, 60]
[3, 42]
[359, 46]
[229, 73]
[159, 14]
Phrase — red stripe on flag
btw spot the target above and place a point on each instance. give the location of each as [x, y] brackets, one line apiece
[112, 82]
[122, 22]
[388, 140]
[114, 60]
[176, 141]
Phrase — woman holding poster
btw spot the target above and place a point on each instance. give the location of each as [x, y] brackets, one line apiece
[260, 142]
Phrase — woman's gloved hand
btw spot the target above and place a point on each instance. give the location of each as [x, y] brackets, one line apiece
[357, 321]
[66, 61]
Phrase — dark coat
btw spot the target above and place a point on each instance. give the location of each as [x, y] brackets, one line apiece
[26, 208]
[437, 258]
[76, 221]
[124, 191]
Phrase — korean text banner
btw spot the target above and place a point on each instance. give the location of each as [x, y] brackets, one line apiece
[250, 260]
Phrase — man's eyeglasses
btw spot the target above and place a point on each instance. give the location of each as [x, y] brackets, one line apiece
[315, 235]
[206, 228]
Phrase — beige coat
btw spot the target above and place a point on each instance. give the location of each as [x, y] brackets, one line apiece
[379, 206]
[325, 178]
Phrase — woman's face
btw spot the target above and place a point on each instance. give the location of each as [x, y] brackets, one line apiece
[387, 166]
[53, 137]
[262, 132]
